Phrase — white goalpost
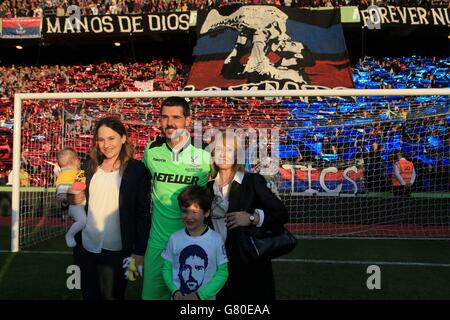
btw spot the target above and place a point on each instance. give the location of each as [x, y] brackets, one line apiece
[307, 178]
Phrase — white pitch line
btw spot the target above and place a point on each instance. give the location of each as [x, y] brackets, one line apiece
[39, 252]
[5, 267]
[299, 237]
[416, 264]
[393, 263]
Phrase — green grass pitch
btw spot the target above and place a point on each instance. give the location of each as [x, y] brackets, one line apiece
[317, 269]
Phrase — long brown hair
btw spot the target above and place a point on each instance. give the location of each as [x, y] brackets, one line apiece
[127, 151]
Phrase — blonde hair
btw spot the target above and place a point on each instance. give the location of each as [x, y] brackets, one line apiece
[224, 137]
[66, 157]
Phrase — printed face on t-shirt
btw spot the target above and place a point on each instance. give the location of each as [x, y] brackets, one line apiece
[193, 263]
[193, 272]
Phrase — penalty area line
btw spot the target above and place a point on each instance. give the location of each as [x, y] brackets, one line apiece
[39, 252]
[393, 263]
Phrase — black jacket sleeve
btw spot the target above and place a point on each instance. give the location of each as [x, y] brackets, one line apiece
[142, 214]
[275, 213]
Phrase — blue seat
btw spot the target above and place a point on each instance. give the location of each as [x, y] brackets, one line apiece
[446, 162]
[288, 151]
[319, 135]
[318, 105]
[373, 85]
[444, 149]
[417, 129]
[427, 160]
[296, 134]
[399, 85]
[363, 75]
[359, 120]
[442, 83]
[303, 116]
[328, 110]
[359, 85]
[424, 99]
[344, 139]
[287, 104]
[430, 111]
[434, 141]
[329, 157]
[293, 104]
[413, 148]
[346, 108]
[392, 144]
[314, 147]
[403, 104]
[443, 99]
[349, 153]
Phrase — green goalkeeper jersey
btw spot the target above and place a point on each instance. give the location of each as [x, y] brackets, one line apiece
[172, 171]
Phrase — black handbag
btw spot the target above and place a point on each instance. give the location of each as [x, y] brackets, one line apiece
[265, 244]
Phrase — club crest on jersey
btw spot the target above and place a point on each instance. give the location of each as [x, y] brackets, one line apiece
[194, 160]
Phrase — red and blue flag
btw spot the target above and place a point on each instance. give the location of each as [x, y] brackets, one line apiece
[20, 28]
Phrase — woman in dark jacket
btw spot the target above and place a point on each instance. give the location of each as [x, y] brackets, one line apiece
[118, 213]
[242, 202]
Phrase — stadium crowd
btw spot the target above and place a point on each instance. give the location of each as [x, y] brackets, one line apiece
[38, 8]
[163, 74]
[327, 131]
[400, 73]
[371, 73]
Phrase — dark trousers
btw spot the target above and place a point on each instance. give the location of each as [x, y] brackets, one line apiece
[102, 275]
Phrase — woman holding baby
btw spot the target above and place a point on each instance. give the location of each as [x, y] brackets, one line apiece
[118, 213]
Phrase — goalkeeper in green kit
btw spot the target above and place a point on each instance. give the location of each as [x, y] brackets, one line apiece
[174, 163]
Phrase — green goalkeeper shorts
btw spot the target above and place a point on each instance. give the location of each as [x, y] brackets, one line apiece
[154, 286]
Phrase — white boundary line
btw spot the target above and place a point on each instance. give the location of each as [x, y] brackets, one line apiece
[300, 237]
[5, 266]
[393, 263]
[39, 252]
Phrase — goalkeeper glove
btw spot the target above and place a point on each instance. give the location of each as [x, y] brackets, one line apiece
[131, 271]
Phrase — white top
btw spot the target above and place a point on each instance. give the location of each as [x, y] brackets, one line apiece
[220, 205]
[200, 257]
[103, 221]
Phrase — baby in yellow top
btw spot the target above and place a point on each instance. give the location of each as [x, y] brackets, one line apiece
[71, 180]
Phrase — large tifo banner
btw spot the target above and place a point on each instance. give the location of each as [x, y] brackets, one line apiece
[268, 47]
[117, 24]
[21, 28]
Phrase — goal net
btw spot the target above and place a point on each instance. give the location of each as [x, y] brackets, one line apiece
[328, 154]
